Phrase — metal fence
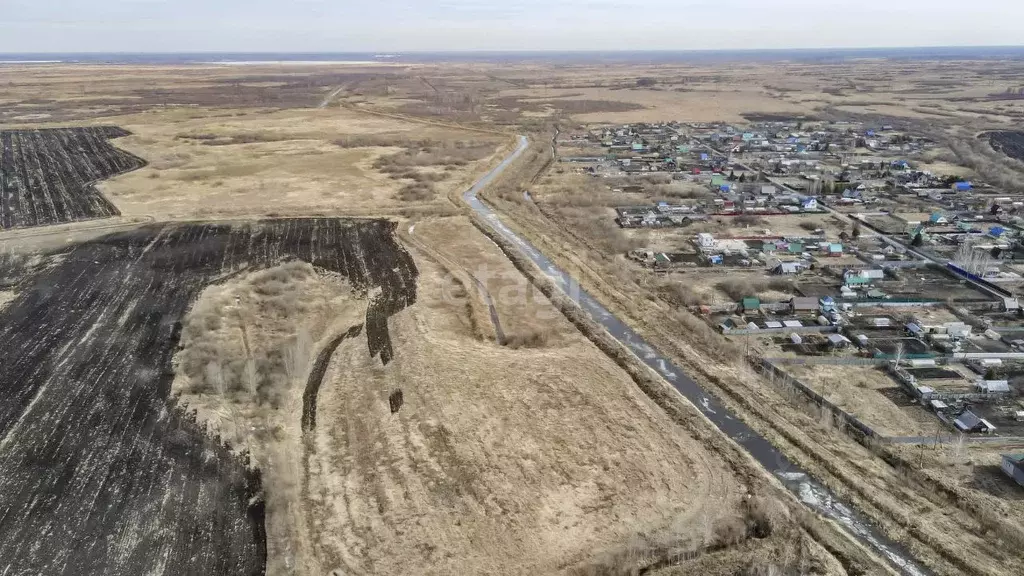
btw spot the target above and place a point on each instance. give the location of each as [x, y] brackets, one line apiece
[829, 360]
[845, 418]
[770, 331]
[901, 303]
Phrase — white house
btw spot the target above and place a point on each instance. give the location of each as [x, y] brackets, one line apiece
[809, 204]
[705, 240]
[992, 386]
[959, 330]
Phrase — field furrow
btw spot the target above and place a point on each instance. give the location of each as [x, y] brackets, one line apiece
[48, 176]
[100, 471]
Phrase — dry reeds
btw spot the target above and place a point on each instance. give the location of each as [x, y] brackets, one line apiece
[416, 192]
[739, 288]
[218, 360]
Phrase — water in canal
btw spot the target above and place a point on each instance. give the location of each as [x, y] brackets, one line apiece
[813, 494]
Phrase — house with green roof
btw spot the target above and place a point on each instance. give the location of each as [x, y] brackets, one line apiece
[751, 304]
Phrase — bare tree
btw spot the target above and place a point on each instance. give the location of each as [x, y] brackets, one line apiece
[971, 259]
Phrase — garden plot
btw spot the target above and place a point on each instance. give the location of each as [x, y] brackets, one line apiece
[47, 176]
[101, 473]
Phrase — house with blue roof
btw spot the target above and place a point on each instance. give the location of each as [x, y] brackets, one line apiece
[827, 304]
[963, 187]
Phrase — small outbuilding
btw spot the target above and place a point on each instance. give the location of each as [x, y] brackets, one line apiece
[1013, 466]
[993, 386]
[971, 423]
[838, 341]
[803, 304]
[788, 268]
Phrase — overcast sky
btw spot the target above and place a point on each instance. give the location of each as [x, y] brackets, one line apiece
[407, 25]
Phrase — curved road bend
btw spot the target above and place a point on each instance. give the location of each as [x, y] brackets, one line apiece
[813, 494]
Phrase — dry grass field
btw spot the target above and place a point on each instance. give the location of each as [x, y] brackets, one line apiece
[229, 143]
[859, 391]
[534, 453]
[540, 471]
[293, 162]
[528, 453]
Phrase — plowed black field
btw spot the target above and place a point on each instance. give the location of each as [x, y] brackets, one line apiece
[1008, 142]
[47, 176]
[100, 473]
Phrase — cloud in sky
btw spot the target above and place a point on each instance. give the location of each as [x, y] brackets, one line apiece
[405, 25]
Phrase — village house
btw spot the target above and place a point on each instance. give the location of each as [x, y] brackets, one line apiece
[1013, 466]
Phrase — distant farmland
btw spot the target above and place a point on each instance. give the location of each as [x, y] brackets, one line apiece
[47, 176]
[100, 472]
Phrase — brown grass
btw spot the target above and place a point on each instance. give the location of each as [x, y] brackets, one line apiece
[534, 338]
[216, 356]
[678, 294]
[416, 192]
[295, 168]
[739, 288]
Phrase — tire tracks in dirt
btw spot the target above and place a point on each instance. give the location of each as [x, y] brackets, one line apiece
[330, 98]
[454, 268]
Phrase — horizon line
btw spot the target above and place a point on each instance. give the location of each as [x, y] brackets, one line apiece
[522, 51]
